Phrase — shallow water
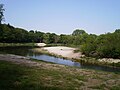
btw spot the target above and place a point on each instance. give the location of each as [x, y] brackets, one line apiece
[26, 51]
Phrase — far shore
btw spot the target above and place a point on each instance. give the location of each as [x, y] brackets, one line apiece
[68, 52]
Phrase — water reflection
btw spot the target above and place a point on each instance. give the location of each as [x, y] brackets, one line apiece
[26, 51]
[56, 60]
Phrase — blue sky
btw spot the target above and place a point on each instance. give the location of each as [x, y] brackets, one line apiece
[64, 16]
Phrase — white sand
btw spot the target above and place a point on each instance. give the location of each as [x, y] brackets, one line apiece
[41, 44]
[110, 60]
[63, 51]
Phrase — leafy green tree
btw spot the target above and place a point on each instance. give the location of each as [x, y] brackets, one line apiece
[78, 32]
[1, 13]
[46, 38]
[39, 36]
[117, 31]
[77, 40]
[53, 38]
[63, 39]
[88, 46]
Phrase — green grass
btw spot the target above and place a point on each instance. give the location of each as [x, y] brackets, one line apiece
[54, 44]
[19, 77]
[53, 77]
[115, 88]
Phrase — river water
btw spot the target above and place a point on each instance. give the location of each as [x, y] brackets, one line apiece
[27, 51]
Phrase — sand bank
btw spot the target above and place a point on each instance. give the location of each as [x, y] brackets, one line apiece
[110, 60]
[41, 44]
[63, 51]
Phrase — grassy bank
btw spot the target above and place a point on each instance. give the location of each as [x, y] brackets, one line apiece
[54, 44]
[16, 44]
[54, 77]
[95, 61]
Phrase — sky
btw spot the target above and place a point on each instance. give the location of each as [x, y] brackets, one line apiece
[63, 16]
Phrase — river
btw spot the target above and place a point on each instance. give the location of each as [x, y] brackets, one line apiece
[28, 52]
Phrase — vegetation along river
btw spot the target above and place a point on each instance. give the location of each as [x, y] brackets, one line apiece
[26, 51]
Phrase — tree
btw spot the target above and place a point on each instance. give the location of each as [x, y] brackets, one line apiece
[63, 39]
[1, 13]
[117, 31]
[53, 38]
[46, 38]
[78, 32]
[39, 36]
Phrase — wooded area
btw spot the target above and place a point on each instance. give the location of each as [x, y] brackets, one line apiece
[104, 45]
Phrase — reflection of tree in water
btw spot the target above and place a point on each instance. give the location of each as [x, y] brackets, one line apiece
[16, 50]
[33, 53]
[77, 64]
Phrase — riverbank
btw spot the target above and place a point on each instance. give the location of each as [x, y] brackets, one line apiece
[17, 44]
[18, 72]
[68, 53]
